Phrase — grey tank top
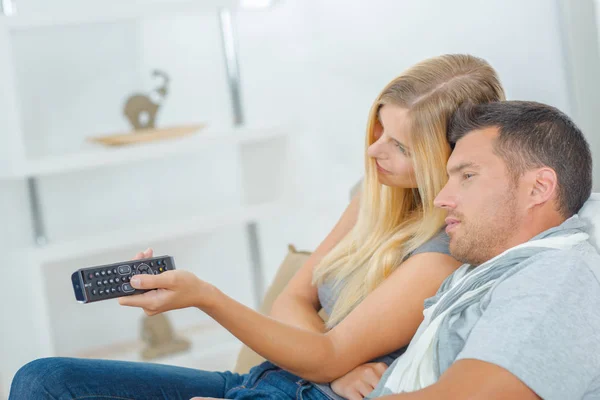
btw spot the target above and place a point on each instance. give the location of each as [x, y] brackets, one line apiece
[328, 295]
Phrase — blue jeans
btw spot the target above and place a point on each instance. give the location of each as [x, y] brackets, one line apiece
[73, 378]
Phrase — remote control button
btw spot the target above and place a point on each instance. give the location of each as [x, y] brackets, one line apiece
[111, 281]
[97, 274]
[103, 273]
[127, 288]
[112, 290]
[144, 269]
[119, 289]
[90, 276]
[105, 282]
[160, 262]
[152, 263]
[101, 292]
[94, 292]
[99, 283]
[124, 269]
[109, 272]
[114, 271]
[117, 279]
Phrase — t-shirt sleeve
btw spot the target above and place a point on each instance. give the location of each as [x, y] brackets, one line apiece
[356, 188]
[437, 244]
[543, 326]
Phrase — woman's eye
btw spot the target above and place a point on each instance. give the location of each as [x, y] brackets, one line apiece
[467, 176]
[400, 147]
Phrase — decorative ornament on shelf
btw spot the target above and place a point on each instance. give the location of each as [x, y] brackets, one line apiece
[141, 111]
[160, 339]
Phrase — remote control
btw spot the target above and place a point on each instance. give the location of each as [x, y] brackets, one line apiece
[110, 281]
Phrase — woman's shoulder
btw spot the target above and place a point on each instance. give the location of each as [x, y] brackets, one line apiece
[437, 244]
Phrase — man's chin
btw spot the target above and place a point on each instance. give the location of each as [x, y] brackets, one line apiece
[459, 252]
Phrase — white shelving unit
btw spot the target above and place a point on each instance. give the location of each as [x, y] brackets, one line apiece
[97, 157]
[29, 330]
[27, 14]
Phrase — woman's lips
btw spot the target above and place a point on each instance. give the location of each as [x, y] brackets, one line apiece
[382, 170]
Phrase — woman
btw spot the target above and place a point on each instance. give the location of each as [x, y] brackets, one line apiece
[374, 306]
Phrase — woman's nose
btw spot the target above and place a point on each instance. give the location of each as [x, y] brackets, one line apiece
[376, 150]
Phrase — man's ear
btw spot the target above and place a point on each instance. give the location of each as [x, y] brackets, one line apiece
[544, 186]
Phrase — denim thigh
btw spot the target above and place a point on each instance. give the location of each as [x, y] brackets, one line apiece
[73, 378]
[267, 381]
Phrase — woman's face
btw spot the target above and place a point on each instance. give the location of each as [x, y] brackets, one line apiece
[392, 149]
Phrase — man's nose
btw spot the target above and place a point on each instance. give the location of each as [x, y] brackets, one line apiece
[445, 198]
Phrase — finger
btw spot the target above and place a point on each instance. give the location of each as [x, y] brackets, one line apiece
[363, 388]
[144, 300]
[205, 398]
[380, 368]
[160, 281]
[148, 253]
[139, 256]
[370, 377]
[354, 395]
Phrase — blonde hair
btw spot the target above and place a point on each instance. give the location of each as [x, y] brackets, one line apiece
[393, 222]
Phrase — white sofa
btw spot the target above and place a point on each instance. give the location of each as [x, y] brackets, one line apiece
[295, 259]
[591, 214]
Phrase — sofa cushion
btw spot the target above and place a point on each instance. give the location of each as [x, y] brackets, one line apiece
[293, 261]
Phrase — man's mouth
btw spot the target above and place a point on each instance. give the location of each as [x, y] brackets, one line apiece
[451, 224]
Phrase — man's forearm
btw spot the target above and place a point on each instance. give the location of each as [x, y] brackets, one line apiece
[429, 393]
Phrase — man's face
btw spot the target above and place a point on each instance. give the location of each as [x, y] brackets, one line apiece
[484, 204]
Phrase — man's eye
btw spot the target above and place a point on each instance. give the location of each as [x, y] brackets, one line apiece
[467, 176]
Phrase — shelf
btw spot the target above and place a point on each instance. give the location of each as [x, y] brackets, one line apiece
[82, 12]
[141, 235]
[104, 156]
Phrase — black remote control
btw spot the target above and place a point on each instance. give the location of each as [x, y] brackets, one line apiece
[110, 281]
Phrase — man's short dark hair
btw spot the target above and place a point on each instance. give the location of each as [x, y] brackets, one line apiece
[534, 135]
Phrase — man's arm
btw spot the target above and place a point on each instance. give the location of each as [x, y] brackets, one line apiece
[538, 336]
[473, 380]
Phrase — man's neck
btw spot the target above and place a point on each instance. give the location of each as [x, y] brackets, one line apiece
[530, 227]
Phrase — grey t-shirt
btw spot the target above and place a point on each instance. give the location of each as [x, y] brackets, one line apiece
[543, 325]
[328, 295]
[438, 244]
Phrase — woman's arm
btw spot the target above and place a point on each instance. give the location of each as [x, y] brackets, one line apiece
[385, 321]
[298, 304]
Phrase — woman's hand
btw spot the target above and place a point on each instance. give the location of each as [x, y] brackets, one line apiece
[359, 382]
[174, 290]
[205, 398]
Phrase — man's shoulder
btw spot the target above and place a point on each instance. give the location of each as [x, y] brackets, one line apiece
[580, 258]
[559, 271]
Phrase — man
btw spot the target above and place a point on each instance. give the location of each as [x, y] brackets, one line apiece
[522, 319]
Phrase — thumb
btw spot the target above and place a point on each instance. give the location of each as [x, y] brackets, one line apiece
[142, 281]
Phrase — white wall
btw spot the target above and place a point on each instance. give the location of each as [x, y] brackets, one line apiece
[323, 63]
[318, 63]
[582, 60]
